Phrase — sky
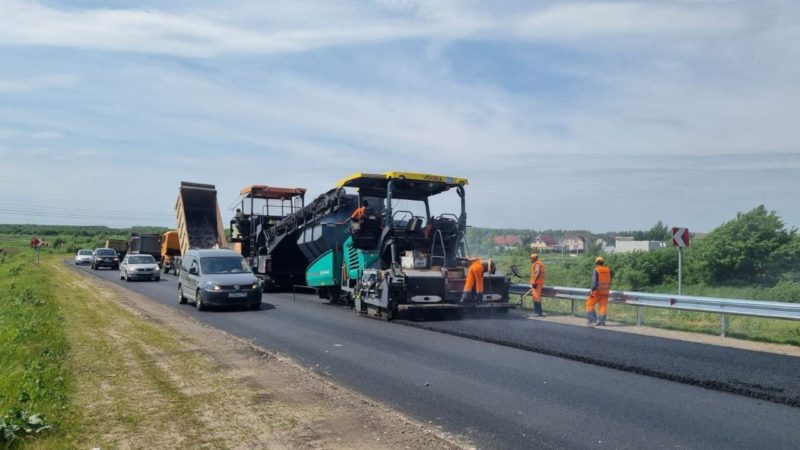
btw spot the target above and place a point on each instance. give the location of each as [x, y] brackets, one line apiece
[570, 114]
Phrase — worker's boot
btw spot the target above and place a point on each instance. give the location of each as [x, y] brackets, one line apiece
[591, 318]
[537, 309]
[601, 321]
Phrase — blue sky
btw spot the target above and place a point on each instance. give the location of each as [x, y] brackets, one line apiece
[583, 114]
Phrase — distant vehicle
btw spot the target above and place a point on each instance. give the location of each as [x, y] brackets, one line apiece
[105, 257]
[217, 278]
[145, 244]
[84, 256]
[139, 267]
[170, 252]
[120, 245]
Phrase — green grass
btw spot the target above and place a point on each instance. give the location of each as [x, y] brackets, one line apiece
[33, 346]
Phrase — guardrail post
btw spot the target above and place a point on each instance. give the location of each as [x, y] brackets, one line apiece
[638, 316]
[724, 325]
[573, 307]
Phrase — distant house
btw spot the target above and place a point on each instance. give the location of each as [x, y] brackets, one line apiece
[507, 242]
[574, 243]
[543, 242]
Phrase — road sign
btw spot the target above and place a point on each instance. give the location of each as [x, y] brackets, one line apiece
[680, 237]
[36, 242]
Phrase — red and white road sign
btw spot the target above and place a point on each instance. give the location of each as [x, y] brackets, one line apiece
[680, 237]
[36, 242]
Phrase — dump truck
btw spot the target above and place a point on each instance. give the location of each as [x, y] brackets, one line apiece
[198, 217]
[400, 256]
[145, 244]
[263, 230]
[170, 250]
[119, 245]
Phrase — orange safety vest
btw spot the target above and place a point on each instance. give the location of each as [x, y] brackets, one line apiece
[358, 213]
[474, 277]
[542, 271]
[603, 279]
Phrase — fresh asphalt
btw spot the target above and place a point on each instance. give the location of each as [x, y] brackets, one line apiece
[499, 396]
[760, 375]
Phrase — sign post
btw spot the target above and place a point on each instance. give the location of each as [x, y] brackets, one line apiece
[680, 239]
[36, 244]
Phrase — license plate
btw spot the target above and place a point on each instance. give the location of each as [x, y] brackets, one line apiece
[237, 295]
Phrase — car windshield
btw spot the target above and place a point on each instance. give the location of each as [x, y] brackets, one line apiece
[141, 259]
[224, 264]
[85, 252]
[106, 252]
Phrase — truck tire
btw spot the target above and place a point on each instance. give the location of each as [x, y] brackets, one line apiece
[181, 299]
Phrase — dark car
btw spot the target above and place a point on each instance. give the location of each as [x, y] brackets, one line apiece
[217, 278]
[105, 257]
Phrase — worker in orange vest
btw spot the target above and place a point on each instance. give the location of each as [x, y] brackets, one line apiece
[473, 286]
[601, 286]
[360, 211]
[537, 283]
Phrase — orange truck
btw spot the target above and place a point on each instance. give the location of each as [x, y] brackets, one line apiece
[170, 249]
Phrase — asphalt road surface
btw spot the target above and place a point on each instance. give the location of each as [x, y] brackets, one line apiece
[497, 396]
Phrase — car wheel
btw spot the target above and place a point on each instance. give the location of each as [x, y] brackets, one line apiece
[116, 267]
[198, 301]
[181, 299]
[157, 279]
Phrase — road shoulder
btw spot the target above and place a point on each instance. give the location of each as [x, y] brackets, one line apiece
[149, 376]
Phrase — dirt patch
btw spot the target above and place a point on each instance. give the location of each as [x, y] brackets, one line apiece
[150, 376]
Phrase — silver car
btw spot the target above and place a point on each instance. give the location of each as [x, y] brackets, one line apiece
[139, 267]
[217, 278]
[84, 256]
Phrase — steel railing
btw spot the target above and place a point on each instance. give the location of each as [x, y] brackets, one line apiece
[722, 306]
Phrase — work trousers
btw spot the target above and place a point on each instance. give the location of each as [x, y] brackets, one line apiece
[600, 299]
[536, 292]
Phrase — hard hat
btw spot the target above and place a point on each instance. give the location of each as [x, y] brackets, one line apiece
[534, 255]
[599, 259]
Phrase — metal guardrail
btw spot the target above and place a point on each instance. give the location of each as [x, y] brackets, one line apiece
[722, 306]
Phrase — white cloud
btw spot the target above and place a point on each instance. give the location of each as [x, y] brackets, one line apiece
[282, 26]
[37, 83]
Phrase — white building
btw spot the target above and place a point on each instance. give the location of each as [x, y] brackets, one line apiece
[629, 245]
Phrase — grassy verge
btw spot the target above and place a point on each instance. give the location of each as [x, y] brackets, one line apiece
[34, 382]
[751, 328]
